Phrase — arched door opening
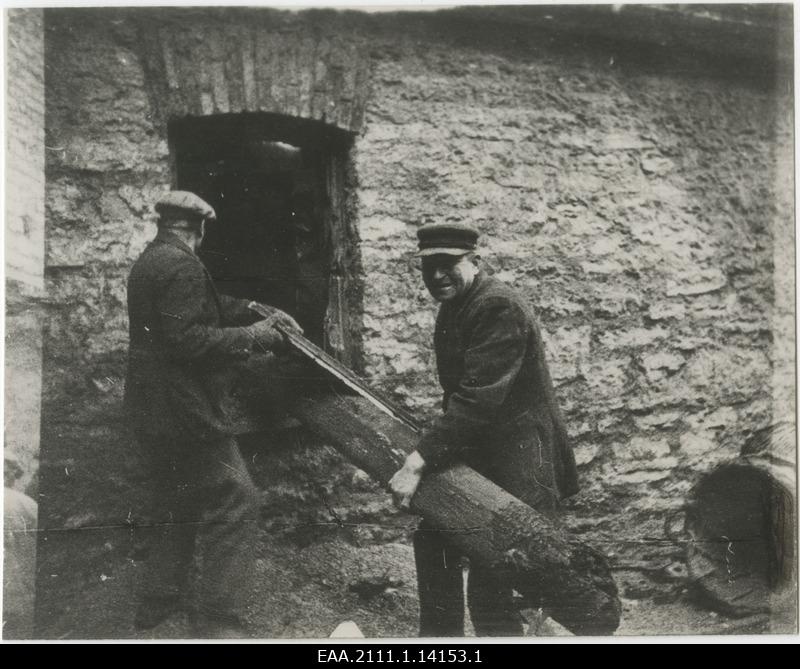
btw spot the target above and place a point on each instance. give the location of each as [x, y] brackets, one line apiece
[279, 207]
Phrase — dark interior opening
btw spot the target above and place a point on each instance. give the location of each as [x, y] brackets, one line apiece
[268, 178]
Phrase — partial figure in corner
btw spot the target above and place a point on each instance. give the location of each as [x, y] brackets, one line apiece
[184, 337]
[500, 417]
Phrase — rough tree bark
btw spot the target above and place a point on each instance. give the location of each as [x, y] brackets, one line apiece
[542, 561]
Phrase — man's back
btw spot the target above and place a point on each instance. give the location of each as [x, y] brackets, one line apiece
[178, 347]
[184, 336]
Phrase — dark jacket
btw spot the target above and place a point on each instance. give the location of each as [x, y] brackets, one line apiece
[500, 411]
[183, 338]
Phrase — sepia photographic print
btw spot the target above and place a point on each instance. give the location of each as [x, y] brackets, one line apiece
[399, 322]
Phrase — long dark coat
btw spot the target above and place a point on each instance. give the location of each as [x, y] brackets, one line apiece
[500, 411]
[183, 338]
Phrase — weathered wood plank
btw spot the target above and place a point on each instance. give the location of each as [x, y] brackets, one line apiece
[218, 80]
[177, 102]
[266, 68]
[235, 43]
[248, 53]
[305, 76]
[362, 88]
[188, 49]
[319, 99]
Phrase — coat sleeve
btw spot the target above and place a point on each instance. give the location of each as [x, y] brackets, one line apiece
[184, 319]
[235, 310]
[497, 339]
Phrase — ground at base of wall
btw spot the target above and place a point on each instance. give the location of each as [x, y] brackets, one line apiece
[332, 549]
[306, 591]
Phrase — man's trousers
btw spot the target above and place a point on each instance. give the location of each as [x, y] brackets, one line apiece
[441, 591]
[207, 512]
[490, 598]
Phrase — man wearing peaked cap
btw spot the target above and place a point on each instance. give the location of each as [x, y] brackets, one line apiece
[500, 416]
[452, 239]
[184, 336]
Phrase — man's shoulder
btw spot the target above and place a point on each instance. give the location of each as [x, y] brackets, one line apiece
[497, 302]
[493, 292]
[161, 259]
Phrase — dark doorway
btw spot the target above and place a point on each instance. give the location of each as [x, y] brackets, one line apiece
[269, 179]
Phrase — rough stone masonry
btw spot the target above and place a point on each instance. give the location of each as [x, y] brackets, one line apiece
[643, 205]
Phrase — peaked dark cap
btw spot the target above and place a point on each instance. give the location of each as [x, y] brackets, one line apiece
[182, 203]
[452, 239]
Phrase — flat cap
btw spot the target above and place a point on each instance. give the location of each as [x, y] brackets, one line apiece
[179, 203]
[446, 238]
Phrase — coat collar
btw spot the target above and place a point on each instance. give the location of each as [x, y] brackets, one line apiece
[475, 286]
[478, 282]
[164, 236]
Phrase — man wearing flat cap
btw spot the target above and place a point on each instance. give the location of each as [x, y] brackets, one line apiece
[500, 417]
[184, 337]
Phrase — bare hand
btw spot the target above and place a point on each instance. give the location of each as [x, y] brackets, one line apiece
[406, 480]
[267, 338]
[284, 319]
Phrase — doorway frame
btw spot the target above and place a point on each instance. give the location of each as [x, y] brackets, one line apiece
[343, 319]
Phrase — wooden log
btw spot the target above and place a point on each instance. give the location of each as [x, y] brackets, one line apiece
[547, 566]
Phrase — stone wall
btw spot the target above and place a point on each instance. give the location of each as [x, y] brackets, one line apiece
[643, 208]
[25, 149]
[24, 247]
[642, 205]
[24, 264]
[107, 167]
